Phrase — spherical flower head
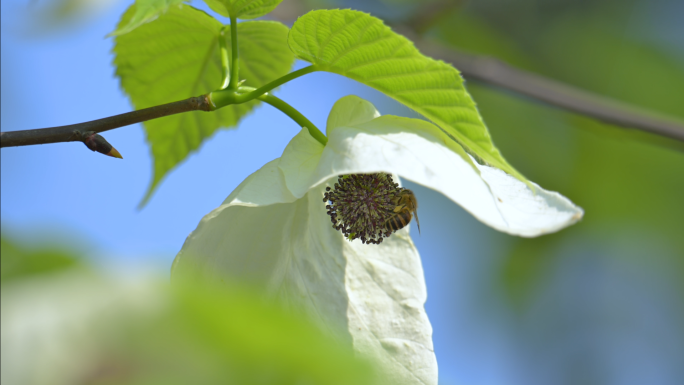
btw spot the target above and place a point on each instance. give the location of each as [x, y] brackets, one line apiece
[361, 204]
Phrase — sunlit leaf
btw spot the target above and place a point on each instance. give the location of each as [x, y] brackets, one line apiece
[177, 57]
[361, 47]
[145, 11]
[243, 9]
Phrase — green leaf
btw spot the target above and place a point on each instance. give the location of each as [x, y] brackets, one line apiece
[361, 47]
[177, 57]
[145, 11]
[19, 262]
[243, 9]
[134, 330]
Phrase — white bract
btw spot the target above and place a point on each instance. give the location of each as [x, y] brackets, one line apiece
[273, 231]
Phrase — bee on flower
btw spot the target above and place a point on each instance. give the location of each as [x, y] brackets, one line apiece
[369, 207]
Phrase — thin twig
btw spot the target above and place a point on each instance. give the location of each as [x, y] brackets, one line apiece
[80, 131]
[500, 74]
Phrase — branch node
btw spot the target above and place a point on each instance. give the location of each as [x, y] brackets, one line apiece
[201, 103]
[76, 136]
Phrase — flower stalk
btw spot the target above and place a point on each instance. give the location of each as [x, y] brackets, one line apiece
[294, 115]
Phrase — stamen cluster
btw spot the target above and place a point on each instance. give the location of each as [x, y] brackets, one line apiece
[359, 205]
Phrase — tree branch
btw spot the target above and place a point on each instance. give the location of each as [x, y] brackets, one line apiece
[81, 131]
[500, 74]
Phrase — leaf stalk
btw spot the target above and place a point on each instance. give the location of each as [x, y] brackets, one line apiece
[225, 59]
[222, 98]
[234, 68]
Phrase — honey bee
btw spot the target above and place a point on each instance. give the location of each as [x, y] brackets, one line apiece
[405, 209]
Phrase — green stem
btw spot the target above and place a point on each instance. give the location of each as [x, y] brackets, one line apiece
[278, 82]
[234, 45]
[225, 60]
[222, 98]
[295, 115]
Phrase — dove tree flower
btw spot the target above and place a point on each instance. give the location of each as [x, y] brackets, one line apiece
[275, 231]
[318, 229]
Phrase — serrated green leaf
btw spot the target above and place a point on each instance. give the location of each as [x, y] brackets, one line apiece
[145, 11]
[359, 46]
[177, 57]
[243, 9]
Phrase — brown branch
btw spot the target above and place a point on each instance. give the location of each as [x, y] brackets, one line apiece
[82, 131]
[497, 73]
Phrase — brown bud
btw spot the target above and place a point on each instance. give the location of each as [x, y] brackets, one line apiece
[96, 142]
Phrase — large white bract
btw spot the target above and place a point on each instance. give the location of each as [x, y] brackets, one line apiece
[273, 232]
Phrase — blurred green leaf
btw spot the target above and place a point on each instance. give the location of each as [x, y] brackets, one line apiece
[471, 33]
[18, 262]
[50, 17]
[595, 55]
[177, 57]
[361, 47]
[88, 329]
[255, 335]
[229, 335]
